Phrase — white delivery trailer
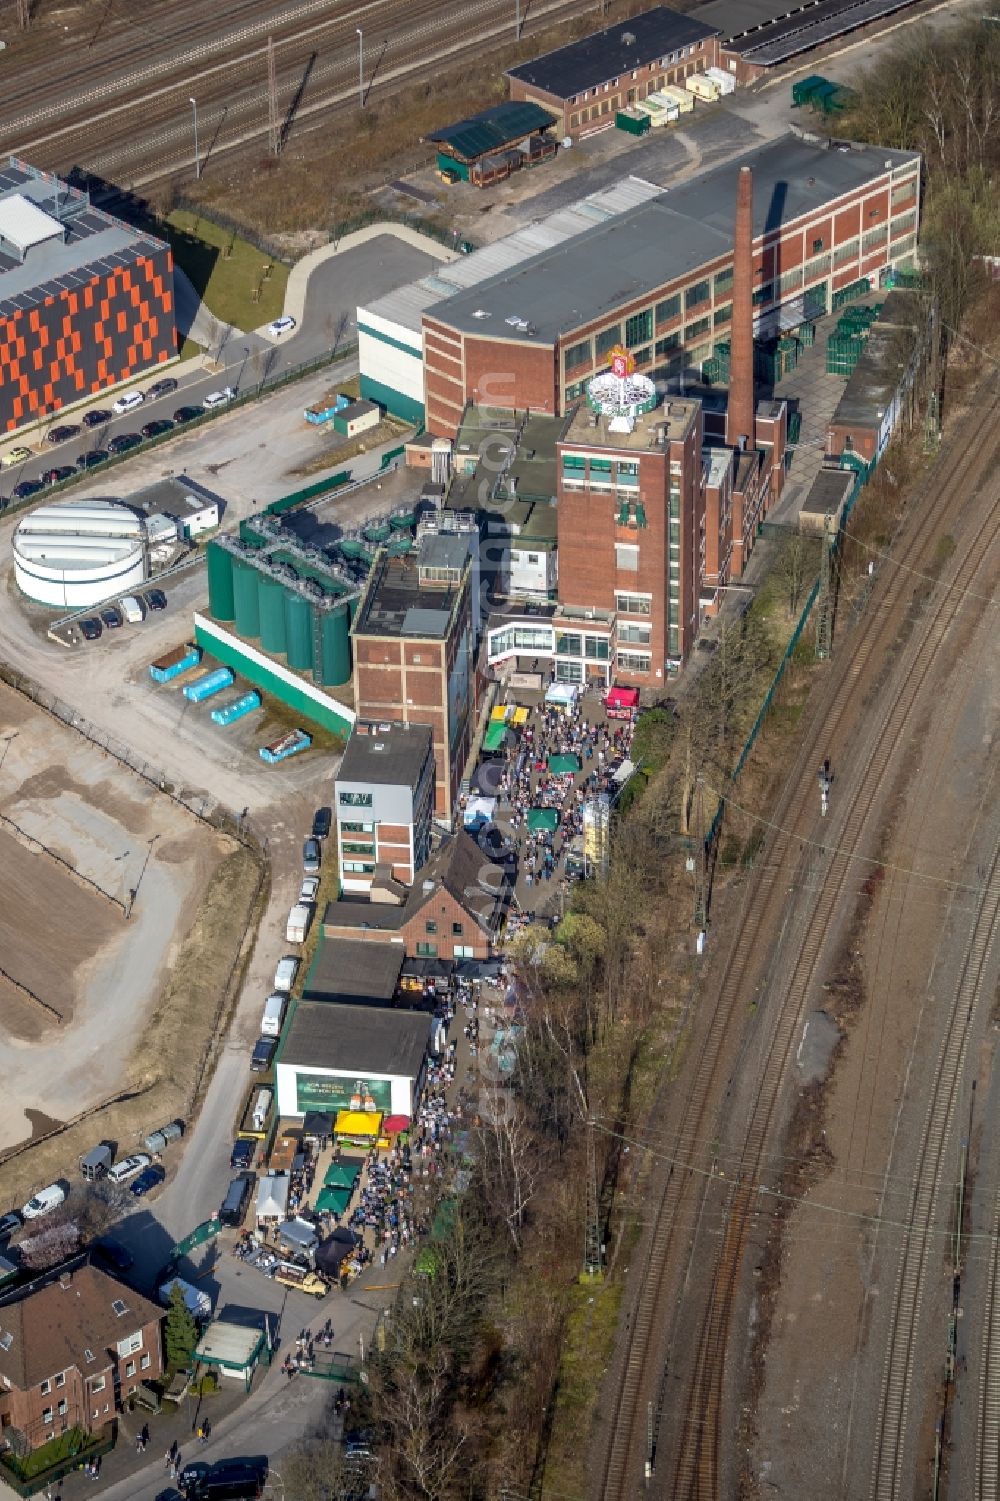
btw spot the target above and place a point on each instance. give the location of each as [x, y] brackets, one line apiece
[197, 1302]
[657, 114]
[681, 97]
[670, 107]
[702, 88]
[274, 1015]
[726, 81]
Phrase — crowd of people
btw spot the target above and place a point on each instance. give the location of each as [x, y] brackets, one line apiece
[597, 747]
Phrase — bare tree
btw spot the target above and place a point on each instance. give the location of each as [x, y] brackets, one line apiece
[509, 1158]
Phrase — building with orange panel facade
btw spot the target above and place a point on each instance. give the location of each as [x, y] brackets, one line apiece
[86, 301]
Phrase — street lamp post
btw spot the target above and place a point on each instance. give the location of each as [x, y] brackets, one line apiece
[361, 67]
[197, 157]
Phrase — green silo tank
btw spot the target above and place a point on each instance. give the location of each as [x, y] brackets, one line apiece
[246, 599]
[336, 665]
[298, 632]
[220, 581]
[272, 615]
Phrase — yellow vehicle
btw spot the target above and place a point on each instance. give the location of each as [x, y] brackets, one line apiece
[298, 1277]
[16, 456]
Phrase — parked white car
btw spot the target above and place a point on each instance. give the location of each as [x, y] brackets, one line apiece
[128, 402]
[128, 1167]
[309, 888]
[281, 326]
[45, 1200]
[219, 398]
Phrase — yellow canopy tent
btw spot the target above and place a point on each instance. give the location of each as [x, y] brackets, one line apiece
[358, 1123]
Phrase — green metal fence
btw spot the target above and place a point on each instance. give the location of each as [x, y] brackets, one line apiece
[311, 492]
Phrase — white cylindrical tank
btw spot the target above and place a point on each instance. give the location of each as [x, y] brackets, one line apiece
[74, 554]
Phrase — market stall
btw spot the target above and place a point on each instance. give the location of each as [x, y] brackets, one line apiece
[564, 765]
[358, 1125]
[272, 1200]
[543, 820]
[622, 703]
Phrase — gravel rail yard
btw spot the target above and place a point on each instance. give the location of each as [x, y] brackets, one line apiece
[680, 1374]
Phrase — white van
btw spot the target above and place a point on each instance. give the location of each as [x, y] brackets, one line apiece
[43, 1201]
[131, 609]
[128, 402]
[274, 1015]
[197, 1302]
[262, 1108]
[298, 924]
[284, 975]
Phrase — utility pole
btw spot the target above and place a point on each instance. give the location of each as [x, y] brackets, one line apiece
[197, 157]
[272, 99]
[700, 858]
[361, 67]
[932, 430]
[824, 604]
[592, 1236]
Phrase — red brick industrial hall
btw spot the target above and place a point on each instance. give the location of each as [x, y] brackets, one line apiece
[86, 302]
[658, 278]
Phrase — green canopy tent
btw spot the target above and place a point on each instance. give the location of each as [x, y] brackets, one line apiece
[561, 766]
[541, 820]
[496, 736]
[342, 1174]
[333, 1200]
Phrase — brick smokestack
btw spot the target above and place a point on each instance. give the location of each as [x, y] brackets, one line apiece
[739, 414]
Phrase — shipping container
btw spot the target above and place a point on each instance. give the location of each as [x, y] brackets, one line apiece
[208, 684]
[702, 88]
[804, 88]
[632, 122]
[173, 663]
[237, 709]
[724, 81]
[288, 745]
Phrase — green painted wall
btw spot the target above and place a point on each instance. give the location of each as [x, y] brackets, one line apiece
[394, 401]
[227, 650]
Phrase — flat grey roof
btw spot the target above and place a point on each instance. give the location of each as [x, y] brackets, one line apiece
[390, 755]
[617, 49]
[175, 496]
[372, 1041]
[93, 244]
[351, 969]
[358, 912]
[666, 239]
[829, 490]
[401, 602]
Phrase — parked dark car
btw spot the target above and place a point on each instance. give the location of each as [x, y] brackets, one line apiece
[147, 1179]
[96, 417]
[155, 599]
[157, 428]
[59, 473]
[312, 856]
[263, 1052]
[161, 388]
[187, 414]
[242, 1155]
[229, 1480]
[112, 1254]
[123, 442]
[322, 819]
[25, 488]
[62, 434]
[90, 628]
[111, 617]
[91, 460]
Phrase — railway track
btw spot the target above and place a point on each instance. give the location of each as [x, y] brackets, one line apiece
[137, 127]
[636, 1386]
[987, 1472]
[927, 1209]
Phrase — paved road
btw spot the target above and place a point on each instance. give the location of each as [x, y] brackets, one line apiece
[336, 287]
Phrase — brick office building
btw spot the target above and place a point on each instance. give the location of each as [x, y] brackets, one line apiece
[383, 801]
[587, 81]
[86, 302]
[73, 1348]
[630, 524]
[658, 278]
[414, 644]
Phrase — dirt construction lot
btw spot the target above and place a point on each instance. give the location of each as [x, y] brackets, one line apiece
[83, 842]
